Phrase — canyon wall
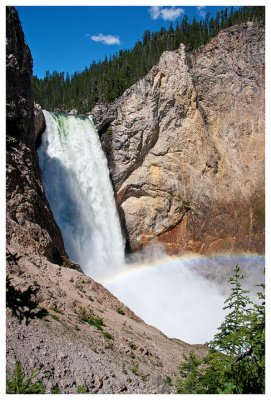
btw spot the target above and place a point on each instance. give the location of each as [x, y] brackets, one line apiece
[185, 147]
[47, 303]
[30, 223]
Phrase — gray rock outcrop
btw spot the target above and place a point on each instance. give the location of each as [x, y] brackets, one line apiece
[185, 147]
[30, 223]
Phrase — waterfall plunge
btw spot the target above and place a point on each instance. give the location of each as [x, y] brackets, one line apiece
[172, 294]
[76, 181]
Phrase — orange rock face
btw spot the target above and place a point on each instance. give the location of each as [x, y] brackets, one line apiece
[230, 228]
[186, 148]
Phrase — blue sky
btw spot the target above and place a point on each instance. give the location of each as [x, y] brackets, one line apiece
[69, 38]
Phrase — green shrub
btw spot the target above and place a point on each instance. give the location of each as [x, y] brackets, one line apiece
[17, 383]
[81, 389]
[55, 389]
[135, 370]
[107, 335]
[168, 380]
[57, 310]
[85, 316]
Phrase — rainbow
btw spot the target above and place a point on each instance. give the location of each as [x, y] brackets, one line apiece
[131, 270]
[184, 296]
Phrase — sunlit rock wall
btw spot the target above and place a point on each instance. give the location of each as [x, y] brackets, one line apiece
[185, 147]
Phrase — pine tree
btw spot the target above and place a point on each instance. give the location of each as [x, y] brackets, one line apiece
[231, 338]
[235, 362]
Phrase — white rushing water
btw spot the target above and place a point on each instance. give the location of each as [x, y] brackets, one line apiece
[77, 185]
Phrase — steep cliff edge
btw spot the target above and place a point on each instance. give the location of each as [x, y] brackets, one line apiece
[185, 147]
[30, 223]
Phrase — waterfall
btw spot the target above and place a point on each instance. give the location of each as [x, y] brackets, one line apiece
[77, 185]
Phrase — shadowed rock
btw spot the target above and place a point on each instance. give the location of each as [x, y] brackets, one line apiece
[30, 223]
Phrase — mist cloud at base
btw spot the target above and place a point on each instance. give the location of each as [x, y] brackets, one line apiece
[184, 298]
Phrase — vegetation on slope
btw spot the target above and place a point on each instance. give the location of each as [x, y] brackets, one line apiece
[235, 363]
[18, 383]
[106, 80]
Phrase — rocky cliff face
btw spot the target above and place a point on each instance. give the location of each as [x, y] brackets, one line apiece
[186, 147]
[30, 223]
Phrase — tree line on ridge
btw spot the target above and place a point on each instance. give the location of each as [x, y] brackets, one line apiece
[105, 80]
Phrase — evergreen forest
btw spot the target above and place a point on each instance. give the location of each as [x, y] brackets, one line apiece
[105, 80]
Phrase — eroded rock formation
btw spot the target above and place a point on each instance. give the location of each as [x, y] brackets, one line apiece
[30, 223]
[185, 146]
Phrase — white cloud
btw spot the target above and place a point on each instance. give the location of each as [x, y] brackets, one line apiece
[202, 11]
[155, 12]
[105, 39]
[171, 13]
[166, 13]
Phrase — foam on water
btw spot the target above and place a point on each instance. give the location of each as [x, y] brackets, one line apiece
[76, 180]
